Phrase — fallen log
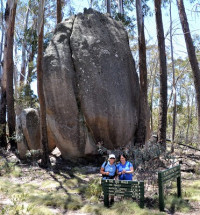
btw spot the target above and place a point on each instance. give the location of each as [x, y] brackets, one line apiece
[188, 146]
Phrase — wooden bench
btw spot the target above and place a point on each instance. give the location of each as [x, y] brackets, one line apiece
[166, 176]
[132, 189]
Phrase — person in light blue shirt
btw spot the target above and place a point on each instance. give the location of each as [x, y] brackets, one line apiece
[108, 168]
[124, 168]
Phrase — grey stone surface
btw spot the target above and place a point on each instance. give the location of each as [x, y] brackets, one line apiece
[28, 132]
[91, 86]
[28, 136]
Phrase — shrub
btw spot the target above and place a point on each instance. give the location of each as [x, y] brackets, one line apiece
[94, 188]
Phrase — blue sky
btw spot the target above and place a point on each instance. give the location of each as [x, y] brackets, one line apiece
[150, 25]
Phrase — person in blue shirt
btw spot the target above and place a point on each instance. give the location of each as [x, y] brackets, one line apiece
[108, 168]
[124, 168]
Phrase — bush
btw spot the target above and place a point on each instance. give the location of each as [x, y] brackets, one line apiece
[94, 188]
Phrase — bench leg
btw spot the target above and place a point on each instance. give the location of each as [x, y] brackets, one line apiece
[161, 193]
[112, 200]
[142, 194]
[179, 186]
[106, 200]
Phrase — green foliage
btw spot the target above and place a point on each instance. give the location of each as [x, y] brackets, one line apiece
[127, 21]
[31, 38]
[94, 188]
[26, 97]
[2, 127]
[33, 155]
[8, 168]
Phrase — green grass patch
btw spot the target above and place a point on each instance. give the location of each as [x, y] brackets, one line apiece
[119, 208]
[38, 196]
[49, 185]
[173, 204]
[25, 209]
[40, 210]
[94, 188]
[191, 191]
[9, 169]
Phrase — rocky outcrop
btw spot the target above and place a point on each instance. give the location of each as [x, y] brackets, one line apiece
[28, 128]
[90, 84]
[28, 132]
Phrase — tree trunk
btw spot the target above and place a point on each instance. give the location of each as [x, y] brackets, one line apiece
[189, 116]
[43, 125]
[191, 54]
[59, 11]
[3, 142]
[30, 66]
[142, 127]
[2, 37]
[91, 3]
[9, 68]
[162, 124]
[24, 45]
[108, 6]
[174, 81]
[32, 53]
[120, 7]
[152, 93]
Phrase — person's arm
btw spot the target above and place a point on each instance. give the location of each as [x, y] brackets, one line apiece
[102, 171]
[118, 173]
[130, 171]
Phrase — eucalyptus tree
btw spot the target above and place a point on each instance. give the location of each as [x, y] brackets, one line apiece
[191, 53]
[8, 67]
[24, 46]
[2, 36]
[43, 124]
[108, 6]
[186, 114]
[173, 72]
[3, 142]
[143, 118]
[153, 80]
[91, 3]
[163, 75]
[121, 6]
[59, 11]
[26, 43]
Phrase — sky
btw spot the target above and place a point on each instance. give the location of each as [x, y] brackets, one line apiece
[150, 25]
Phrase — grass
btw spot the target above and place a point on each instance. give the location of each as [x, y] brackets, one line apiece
[190, 194]
[119, 208]
[173, 204]
[191, 190]
[9, 169]
[40, 192]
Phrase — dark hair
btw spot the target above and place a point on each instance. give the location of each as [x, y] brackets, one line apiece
[124, 155]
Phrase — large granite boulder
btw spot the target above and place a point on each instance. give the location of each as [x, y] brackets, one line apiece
[90, 84]
[28, 132]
